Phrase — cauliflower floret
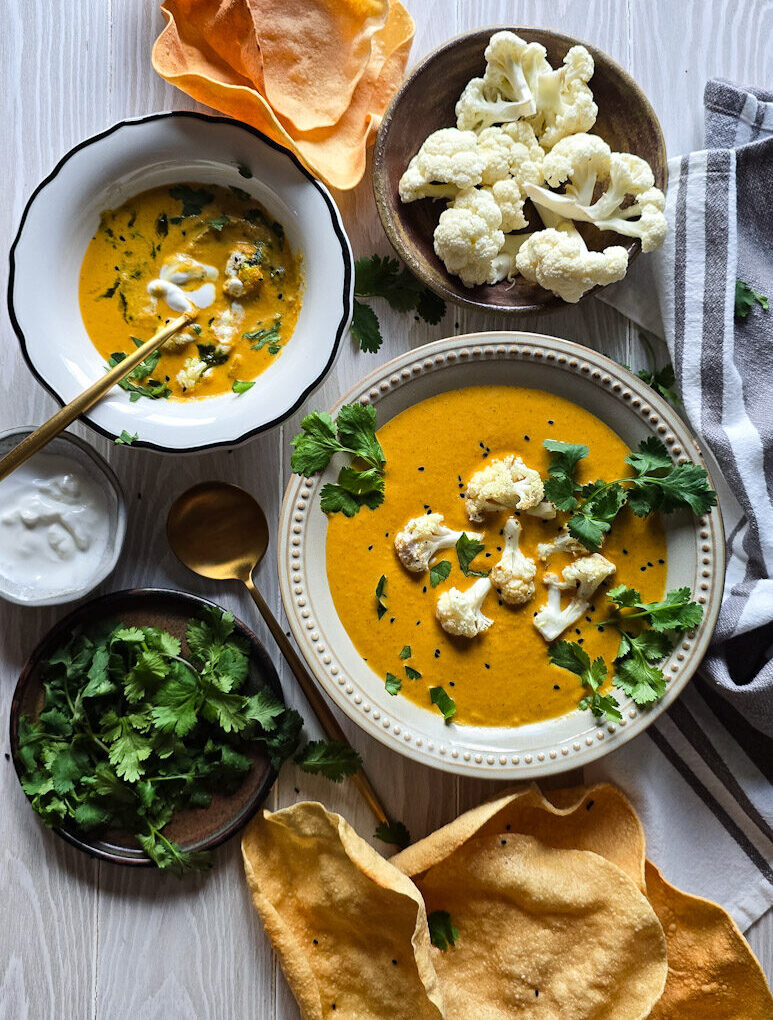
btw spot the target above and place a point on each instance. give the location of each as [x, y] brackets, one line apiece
[579, 162]
[459, 611]
[545, 511]
[512, 70]
[179, 341]
[583, 577]
[422, 538]
[191, 372]
[475, 110]
[559, 260]
[504, 484]
[500, 152]
[447, 162]
[513, 576]
[565, 103]
[468, 237]
[563, 543]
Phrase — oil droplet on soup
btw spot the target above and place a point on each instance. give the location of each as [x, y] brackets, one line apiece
[503, 677]
[191, 244]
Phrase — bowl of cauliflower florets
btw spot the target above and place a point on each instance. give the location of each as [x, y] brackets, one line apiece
[519, 169]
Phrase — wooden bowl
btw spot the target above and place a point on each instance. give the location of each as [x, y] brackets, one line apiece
[194, 829]
[425, 103]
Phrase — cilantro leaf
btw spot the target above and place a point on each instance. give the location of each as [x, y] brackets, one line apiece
[466, 551]
[356, 425]
[572, 656]
[745, 297]
[676, 612]
[442, 932]
[219, 222]
[241, 386]
[411, 673]
[560, 486]
[381, 606]
[329, 758]
[602, 502]
[315, 445]
[635, 673]
[264, 708]
[392, 684]
[405, 652]
[365, 328]
[659, 484]
[439, 572]
[663, 379]
[125, 438]
[128, 749]
[193, 199]
[439, 697]
[393, 832]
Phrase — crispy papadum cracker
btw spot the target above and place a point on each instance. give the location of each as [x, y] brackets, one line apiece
[712, 972]
[210, 50]
[598, 818]
[339, 916]
[543, 932]
[314, 53]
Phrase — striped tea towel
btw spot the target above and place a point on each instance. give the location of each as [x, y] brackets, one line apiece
[701, 776]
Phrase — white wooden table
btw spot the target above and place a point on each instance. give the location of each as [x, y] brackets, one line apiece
[82, 939]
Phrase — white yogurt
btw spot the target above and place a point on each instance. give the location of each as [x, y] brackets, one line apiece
[174, 274]
[54, 526]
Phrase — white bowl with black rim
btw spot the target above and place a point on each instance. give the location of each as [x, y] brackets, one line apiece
[104, 171]
[696, 558]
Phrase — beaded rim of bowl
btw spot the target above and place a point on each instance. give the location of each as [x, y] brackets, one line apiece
[446, 747]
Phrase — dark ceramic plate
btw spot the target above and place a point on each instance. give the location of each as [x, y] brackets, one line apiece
[425, 103]
[195, 829]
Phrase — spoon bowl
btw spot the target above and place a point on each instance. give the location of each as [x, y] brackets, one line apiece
[218, 531]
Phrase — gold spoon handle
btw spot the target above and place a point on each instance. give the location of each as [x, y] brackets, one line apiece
[314, 697]
[66, 416]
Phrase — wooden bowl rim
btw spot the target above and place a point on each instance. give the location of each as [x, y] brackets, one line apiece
[380, 186]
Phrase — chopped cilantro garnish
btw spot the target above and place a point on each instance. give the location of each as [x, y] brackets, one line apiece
[405, 652]
[125, 438]
[240, 386]
[572, 656]
[439, 572]
[446, 704]
[466, 550]
[442, 932]
[392, 684]
[265, 336]
[210, 355]
[411, 673]
[745, 298]
[381, 606]
[329, 758]
[219, 223]
[193, 199]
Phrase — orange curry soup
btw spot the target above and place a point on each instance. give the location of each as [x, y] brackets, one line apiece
[256, 298]
[502, 677]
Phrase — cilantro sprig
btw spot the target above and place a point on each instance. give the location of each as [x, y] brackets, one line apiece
[745, 299]
[657, 484]
[572, 656]
[466, 550]
[329, 758]
[647, 634]
[393, 832]
[384, 277]
[133, 731]
[360, 483]
[663, 379]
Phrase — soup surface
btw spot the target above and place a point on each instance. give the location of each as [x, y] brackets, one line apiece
[502, 677]
[214, 247]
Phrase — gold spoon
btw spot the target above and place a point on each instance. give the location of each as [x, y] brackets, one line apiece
[66, 416]
[219, 531]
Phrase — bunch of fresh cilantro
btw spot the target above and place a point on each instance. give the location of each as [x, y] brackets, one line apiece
[647, 634]
[361, 482]
[132, 731]
[657, 483]
[384, 277]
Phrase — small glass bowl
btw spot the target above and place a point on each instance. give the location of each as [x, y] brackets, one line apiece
[97, 468]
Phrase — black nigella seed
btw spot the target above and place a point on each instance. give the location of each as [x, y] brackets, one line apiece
[370, 547]
[503, 842]
[437, 653]
[642, 569]
[536, 992]
[416, 318]
[526, 438]
[451, 683]
[625, 552]
[600, 630]
[487, 556]
[501, 531]
[420, 469]
[499, 548]
[461, 495]
[426, 506]
[556, 687]
[392, 620]
[418, 622]
[648, 563]
[499, 602]
[508, 827]
[589, 805]
[394, 963]
[577, 630]
[550, 421]
[121, 237]
[386, 534]
[482, 446]
[316, 943]
[661, 561]
[296, 789]
[487, 665]
[424, 590]
[588, 619]
[581, 641]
